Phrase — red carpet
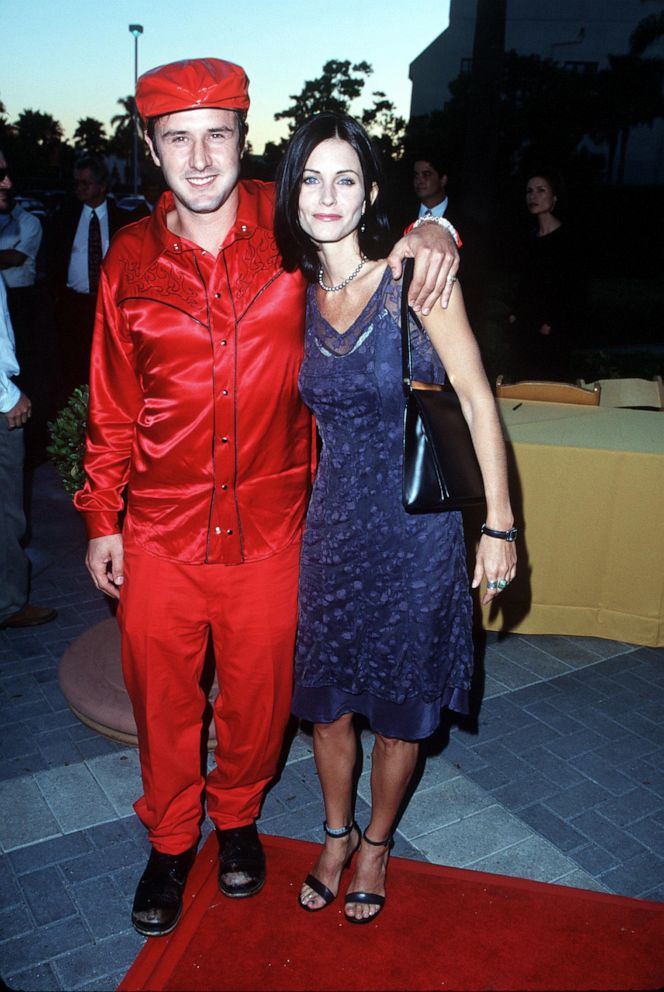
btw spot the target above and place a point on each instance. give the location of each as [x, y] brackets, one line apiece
[442, 928]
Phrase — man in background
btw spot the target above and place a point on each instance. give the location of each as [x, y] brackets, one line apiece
[29, 306]
[15, 411]
[430, 185]
[20, 236]
[80, 239]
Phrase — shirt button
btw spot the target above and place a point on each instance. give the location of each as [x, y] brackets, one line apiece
[229, 532]
[203, 251]
[217, 530]
[224, 392]
[224, 486]
[224, 440]
[223, 343]
[217, 296]
[243, 228]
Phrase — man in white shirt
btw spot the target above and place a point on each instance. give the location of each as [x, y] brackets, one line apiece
[29, 306]
[20, 236]
[15, 411]
[81, 236]
[430, 185]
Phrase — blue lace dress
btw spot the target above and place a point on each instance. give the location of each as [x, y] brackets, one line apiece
[385, 609]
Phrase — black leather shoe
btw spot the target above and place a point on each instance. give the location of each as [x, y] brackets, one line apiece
[29, 616]
[241, 862]
[158, 900]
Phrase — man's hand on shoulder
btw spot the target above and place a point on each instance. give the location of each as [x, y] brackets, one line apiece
[436, 263]
[104, 562]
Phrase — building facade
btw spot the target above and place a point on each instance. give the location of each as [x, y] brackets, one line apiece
[579, 35]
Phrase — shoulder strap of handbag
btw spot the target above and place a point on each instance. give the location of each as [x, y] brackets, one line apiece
[406, 314]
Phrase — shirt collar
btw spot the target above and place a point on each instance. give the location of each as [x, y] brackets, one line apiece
[100, 211]
[437, 211]
[253, 212]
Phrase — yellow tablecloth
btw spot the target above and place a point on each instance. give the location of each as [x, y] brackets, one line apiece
[587, 485]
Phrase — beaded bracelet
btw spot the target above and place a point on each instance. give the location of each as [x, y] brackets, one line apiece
[442, 222]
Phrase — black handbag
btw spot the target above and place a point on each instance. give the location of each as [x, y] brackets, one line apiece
[440, 467]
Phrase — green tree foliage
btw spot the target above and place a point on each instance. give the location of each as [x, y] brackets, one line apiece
[386, 127]
[335, 89]
[338, 86]
[90, 136]
[38, 129]
[4, 123]
[544, 113]
[122, 138]
[646, 33]
[67, 434]
[37, 147]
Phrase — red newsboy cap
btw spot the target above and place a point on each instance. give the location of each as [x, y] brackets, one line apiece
[190, 84]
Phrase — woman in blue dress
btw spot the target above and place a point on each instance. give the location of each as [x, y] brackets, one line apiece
[385, 607]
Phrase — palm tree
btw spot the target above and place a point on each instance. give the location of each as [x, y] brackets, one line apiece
[38, 129]
[121, 142]
[646, 33]
[123, 135]
[628, 94]
[90, 136]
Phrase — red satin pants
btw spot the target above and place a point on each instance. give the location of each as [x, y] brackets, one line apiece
[166, 611]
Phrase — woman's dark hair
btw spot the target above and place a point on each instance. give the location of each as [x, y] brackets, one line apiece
[296, 247]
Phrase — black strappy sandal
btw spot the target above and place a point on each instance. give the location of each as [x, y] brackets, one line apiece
[314, 883]
[368, 898]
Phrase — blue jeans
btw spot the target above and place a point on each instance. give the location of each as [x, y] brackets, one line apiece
[14, 563]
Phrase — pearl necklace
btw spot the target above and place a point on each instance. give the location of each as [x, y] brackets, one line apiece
[341, 285]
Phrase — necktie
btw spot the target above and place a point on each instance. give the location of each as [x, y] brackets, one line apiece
[94, 252]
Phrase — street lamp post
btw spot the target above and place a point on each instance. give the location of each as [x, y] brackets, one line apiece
[135, 30]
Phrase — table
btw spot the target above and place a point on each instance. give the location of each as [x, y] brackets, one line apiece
[587, 485]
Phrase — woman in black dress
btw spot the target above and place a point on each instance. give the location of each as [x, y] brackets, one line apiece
[385, 610]
[548, 294]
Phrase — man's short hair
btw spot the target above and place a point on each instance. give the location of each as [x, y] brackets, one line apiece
[96, 165]
[435, 160]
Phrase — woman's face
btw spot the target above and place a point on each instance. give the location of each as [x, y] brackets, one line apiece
[540, 198]
[332, 193]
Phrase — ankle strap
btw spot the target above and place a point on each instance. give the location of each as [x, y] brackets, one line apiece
[377, 843]
[338, 831]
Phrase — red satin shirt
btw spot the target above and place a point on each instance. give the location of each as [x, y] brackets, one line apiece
[195, 415]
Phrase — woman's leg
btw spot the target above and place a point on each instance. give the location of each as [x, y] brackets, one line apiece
[392, 765]
[335, 753]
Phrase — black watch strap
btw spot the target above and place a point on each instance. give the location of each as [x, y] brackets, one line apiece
[502, 535]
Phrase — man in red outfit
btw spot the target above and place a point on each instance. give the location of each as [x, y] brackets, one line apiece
[195, 420]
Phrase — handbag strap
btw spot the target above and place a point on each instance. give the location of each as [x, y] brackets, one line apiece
[406, 313]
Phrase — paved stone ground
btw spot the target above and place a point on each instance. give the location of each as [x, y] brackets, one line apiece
[560, 779]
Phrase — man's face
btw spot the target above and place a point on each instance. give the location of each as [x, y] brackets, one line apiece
[198, 152]
[88, 189]
[6, 198]
[428, 184]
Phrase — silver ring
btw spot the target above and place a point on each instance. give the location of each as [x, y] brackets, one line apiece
[452, 278]
[492, 584]
[503, 584]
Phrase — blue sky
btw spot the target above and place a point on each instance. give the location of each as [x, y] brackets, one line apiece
[73, 59]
